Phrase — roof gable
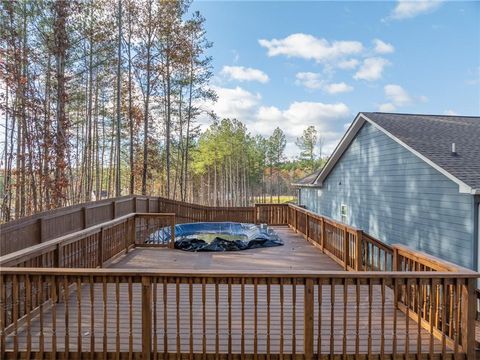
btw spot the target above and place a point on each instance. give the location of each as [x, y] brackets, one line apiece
[429, 137]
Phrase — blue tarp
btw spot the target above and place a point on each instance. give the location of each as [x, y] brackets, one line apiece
[219, 236]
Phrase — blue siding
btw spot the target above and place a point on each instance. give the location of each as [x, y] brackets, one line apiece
[397, 197]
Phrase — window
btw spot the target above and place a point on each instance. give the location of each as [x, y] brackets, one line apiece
[344, 213]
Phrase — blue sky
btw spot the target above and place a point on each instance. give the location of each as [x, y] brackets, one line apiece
[295, 64]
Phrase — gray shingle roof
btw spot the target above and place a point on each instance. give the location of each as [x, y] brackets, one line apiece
[309, 179]
[432, 136]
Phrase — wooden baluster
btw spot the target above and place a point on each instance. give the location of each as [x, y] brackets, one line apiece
[444, 316]
[66, 315]
[155, 322]
[319, 315]
[419, 301]
[100, 248]
[382, 341]
[92, 316]
[79, 316]
[217, 320]
[332, 317]
[451, 316]
[229, 318]
[358, 250]
[130, 317]
[204, 320]
[28, 309]
[105, 316]
[268, 318]
[345, 304]
[322, 237]
[431, 317]
[370, 303]
[395, 310]
[307, 227]
[41, 339]
[308, 319]
[294, 317]
[242, 297]
[456, 315]
[165, 318]
[255, 318]
[190, 299]
[469, 312]
[407, 318]
[146, 317]
[345, 248]
[117, 320]
[357, 317]
[53, 310]
[281, 319]
[177, 306]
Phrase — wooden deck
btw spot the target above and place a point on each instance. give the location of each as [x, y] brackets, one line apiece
[295, 254]
[228, 318]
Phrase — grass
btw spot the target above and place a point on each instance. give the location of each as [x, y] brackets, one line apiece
[275, 199]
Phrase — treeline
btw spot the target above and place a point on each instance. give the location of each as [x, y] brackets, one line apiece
[101, 98]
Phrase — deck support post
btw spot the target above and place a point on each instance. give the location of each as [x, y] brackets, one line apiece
[358, 251]
[146, 317]
[469, 313]
[308, 319]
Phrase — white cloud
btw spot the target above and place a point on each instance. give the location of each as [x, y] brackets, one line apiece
[314, 81]
[387, 107]
[309, 79]
[371, 69]
[327, 118]
[309, 47]
[450, 112]
[397, 95]
[348, 64]
[382, 47]
[337, 88]
[234, 103]
[242, 73]
[262, 119]
[406, 9]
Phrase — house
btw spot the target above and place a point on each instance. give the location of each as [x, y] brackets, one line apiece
[406, 179]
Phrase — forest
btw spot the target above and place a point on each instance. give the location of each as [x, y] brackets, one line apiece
[102, 98]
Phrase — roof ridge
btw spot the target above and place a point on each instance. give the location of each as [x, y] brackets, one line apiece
[416, 114]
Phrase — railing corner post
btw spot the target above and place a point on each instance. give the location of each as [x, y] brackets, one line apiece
[308, 319]
[146, 317]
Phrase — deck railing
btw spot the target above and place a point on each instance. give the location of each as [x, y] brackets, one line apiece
[205, 315]
[36, 229]
[436, 299]
[97, 245]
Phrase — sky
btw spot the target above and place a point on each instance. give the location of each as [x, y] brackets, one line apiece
[296, 64]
